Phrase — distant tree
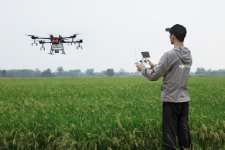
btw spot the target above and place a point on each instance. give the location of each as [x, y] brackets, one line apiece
[97, 74]
[208, 71]
[27, 73]
[110, 72]
[89, 72]
[103, 72]
[214, 72]
[47, 73]
[37, 73]
[222, 71]
[3, 73]
[12, 73]
[200, 71]
[122, 70]
[60, 71]
[75, 72]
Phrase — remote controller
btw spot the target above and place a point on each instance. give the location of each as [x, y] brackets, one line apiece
[145, 55]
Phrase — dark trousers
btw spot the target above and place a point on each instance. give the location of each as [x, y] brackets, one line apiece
[175, 124]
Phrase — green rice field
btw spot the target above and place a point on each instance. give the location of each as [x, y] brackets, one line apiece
[104, 113]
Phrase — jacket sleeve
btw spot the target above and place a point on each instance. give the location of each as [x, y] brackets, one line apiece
[159, 70]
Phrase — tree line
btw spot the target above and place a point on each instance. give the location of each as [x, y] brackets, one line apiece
[60, 72]
[203, 71]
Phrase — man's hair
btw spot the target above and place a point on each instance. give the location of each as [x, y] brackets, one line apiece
[181, 39]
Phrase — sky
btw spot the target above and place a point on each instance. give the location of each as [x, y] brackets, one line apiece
[111, 30]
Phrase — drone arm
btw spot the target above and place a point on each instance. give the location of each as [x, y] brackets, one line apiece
[42, 38]
[72, 41]
[67, 37]
[69, 42]
[42, 42]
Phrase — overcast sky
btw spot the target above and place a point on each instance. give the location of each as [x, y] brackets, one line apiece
[112, 30]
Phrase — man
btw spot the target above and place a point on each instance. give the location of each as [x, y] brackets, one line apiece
[174, 66]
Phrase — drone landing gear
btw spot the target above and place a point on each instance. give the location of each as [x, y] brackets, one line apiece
[51, 52]
[34, 43]
[63, 52]
[80, 47]
[42, 47]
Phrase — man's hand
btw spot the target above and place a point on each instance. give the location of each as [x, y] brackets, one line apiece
[139, 66]
[151, 64]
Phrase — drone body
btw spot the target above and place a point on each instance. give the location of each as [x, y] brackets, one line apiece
[56, 42]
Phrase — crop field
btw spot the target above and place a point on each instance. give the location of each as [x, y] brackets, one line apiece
[103, 113]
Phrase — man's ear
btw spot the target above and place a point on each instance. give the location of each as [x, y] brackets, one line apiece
[172, 36]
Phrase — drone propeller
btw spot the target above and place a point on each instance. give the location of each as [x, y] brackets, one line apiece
[80, 41]
[32, 36]
[50, 35]
[74, 35]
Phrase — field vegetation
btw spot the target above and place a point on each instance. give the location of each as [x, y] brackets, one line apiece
[103, 113]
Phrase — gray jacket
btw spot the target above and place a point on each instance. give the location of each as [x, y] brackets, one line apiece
[174, 66]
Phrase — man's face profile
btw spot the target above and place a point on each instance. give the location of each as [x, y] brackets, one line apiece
[171, 38]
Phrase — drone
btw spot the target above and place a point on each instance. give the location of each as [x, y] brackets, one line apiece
[56, 42]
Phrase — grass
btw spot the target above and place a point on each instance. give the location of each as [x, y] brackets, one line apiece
[103, 113]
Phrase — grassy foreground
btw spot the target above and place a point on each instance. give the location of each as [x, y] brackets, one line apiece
[103, 113]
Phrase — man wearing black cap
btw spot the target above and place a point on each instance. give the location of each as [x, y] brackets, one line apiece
[174, 66]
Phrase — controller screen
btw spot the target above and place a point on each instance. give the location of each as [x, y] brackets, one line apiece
[145, 54]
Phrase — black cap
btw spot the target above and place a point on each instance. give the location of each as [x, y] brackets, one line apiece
[179, 31]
